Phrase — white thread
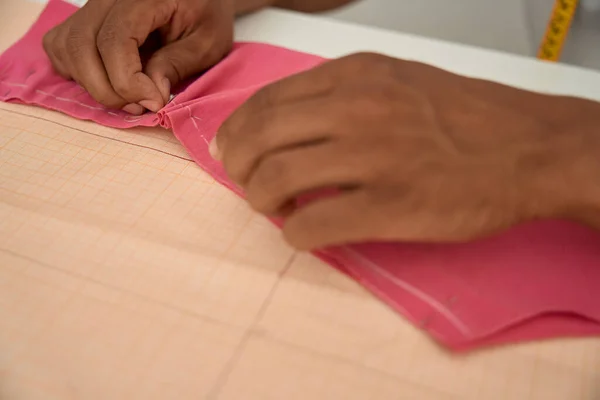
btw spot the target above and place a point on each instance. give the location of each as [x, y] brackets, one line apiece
[15, 84]
[381, 294]
[450, 316]
[130, 118]
[192, 117]
[126, 118]
[195, 124]
[69, 100]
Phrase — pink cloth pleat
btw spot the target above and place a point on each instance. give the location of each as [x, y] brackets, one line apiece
[534, 282]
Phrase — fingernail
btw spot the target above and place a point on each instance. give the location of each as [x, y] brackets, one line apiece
[213, 149]
[134, 109]
[165, 88]
[151, 105]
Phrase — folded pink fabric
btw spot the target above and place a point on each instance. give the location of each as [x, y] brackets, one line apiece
[536, 281]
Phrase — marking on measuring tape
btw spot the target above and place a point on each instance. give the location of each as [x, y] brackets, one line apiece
[557, 30]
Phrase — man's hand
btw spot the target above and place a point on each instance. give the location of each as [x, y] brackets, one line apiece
[129, 53]
[413, 153]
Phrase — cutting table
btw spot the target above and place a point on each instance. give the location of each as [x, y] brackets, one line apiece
[128, 273]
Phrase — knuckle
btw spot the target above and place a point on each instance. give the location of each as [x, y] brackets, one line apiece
[365, 57]
[230, 165]
[172, 64]
[122, 87]
[219, 45]
[273, 184]
[264, 96]
[269, 96]
[247, 129]
[53, 50]
[246, 137]
[370, 104]
[380, 102]
[110, 102]
[48, 41]
[107, 35]
[75, 44]
[274, 175]
[53, 44]
[371, 64]
[370, 58]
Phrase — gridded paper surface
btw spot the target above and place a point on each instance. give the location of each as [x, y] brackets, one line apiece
[127, 273]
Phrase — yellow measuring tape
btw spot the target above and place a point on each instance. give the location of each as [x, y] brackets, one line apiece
[558, 28]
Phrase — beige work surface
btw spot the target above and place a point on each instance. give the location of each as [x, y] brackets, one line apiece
[127, 273]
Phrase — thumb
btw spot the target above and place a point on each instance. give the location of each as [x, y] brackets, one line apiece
[184, 58]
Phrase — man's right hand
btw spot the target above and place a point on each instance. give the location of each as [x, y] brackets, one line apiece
[128, 53]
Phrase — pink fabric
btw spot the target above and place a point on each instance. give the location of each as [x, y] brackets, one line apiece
[537, 281]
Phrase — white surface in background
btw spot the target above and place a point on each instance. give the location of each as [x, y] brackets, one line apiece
[331, 38]
[497, 24]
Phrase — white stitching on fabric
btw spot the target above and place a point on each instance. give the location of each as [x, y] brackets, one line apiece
[451, 301]
[448, 314]
[15, 84]
[69, 100]
[127, 118]
[193, 118]
[131, 118]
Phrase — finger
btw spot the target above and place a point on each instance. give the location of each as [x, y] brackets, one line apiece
[283, 176]
[87, 69]
[273, 129]
[50, 44]
[125, 29]
[79, 57]
[340, 219]
[184, 58]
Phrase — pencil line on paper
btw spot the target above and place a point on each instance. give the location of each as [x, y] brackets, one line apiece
[239, 350]
[85, 278]
[98, 135]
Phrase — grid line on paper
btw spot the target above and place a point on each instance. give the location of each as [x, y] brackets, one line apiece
[153, 138]
[98, 135]
[231, 364]
[91, 280]
[66, 194]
